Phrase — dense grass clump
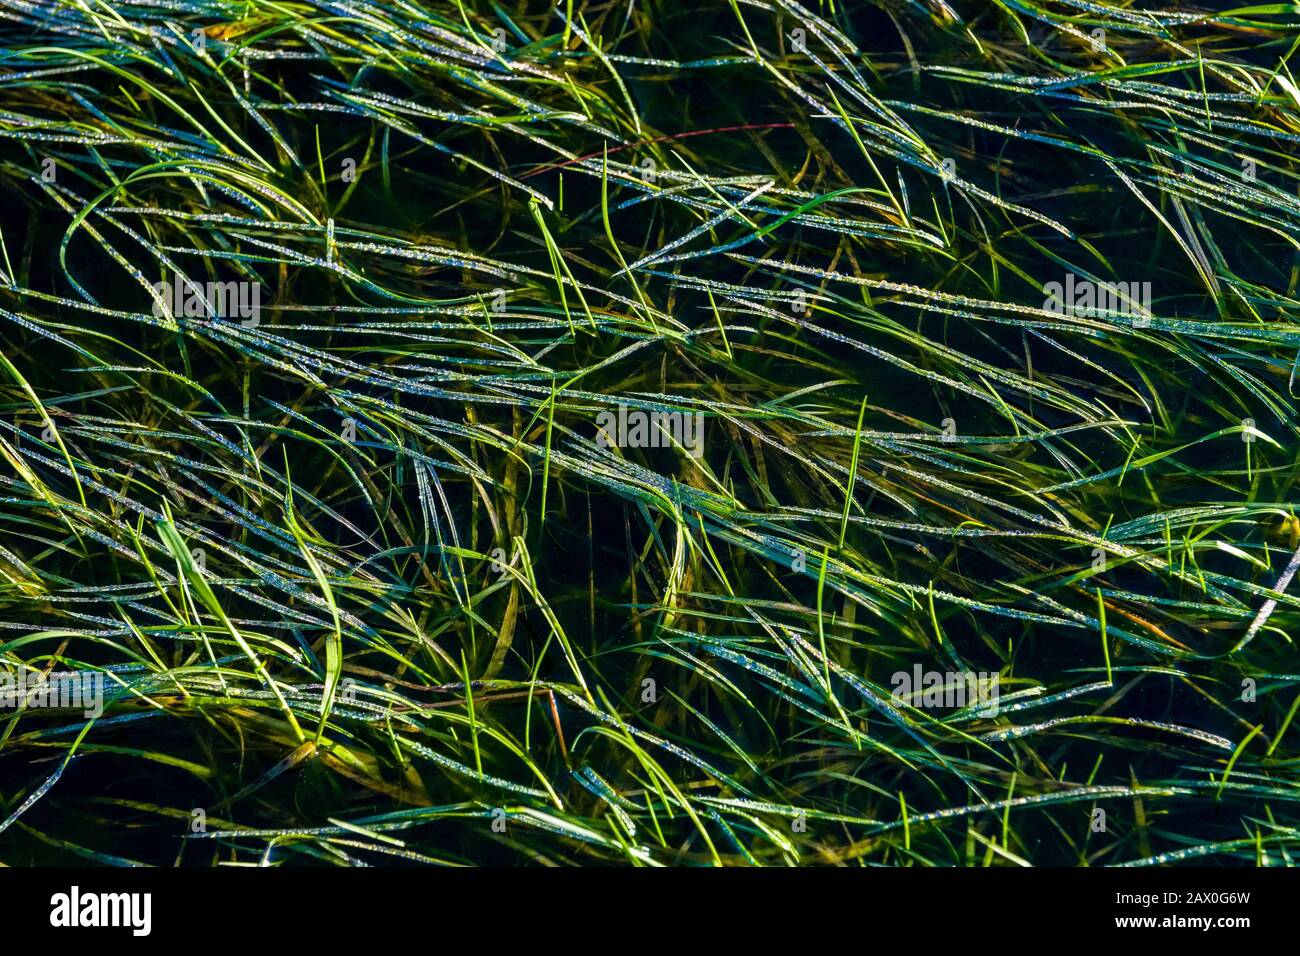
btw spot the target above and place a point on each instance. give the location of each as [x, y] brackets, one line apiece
[405, 546]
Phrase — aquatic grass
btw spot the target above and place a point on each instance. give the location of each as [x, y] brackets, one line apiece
[361, 578]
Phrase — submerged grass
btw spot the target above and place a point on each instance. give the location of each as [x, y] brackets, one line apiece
[366, 582]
